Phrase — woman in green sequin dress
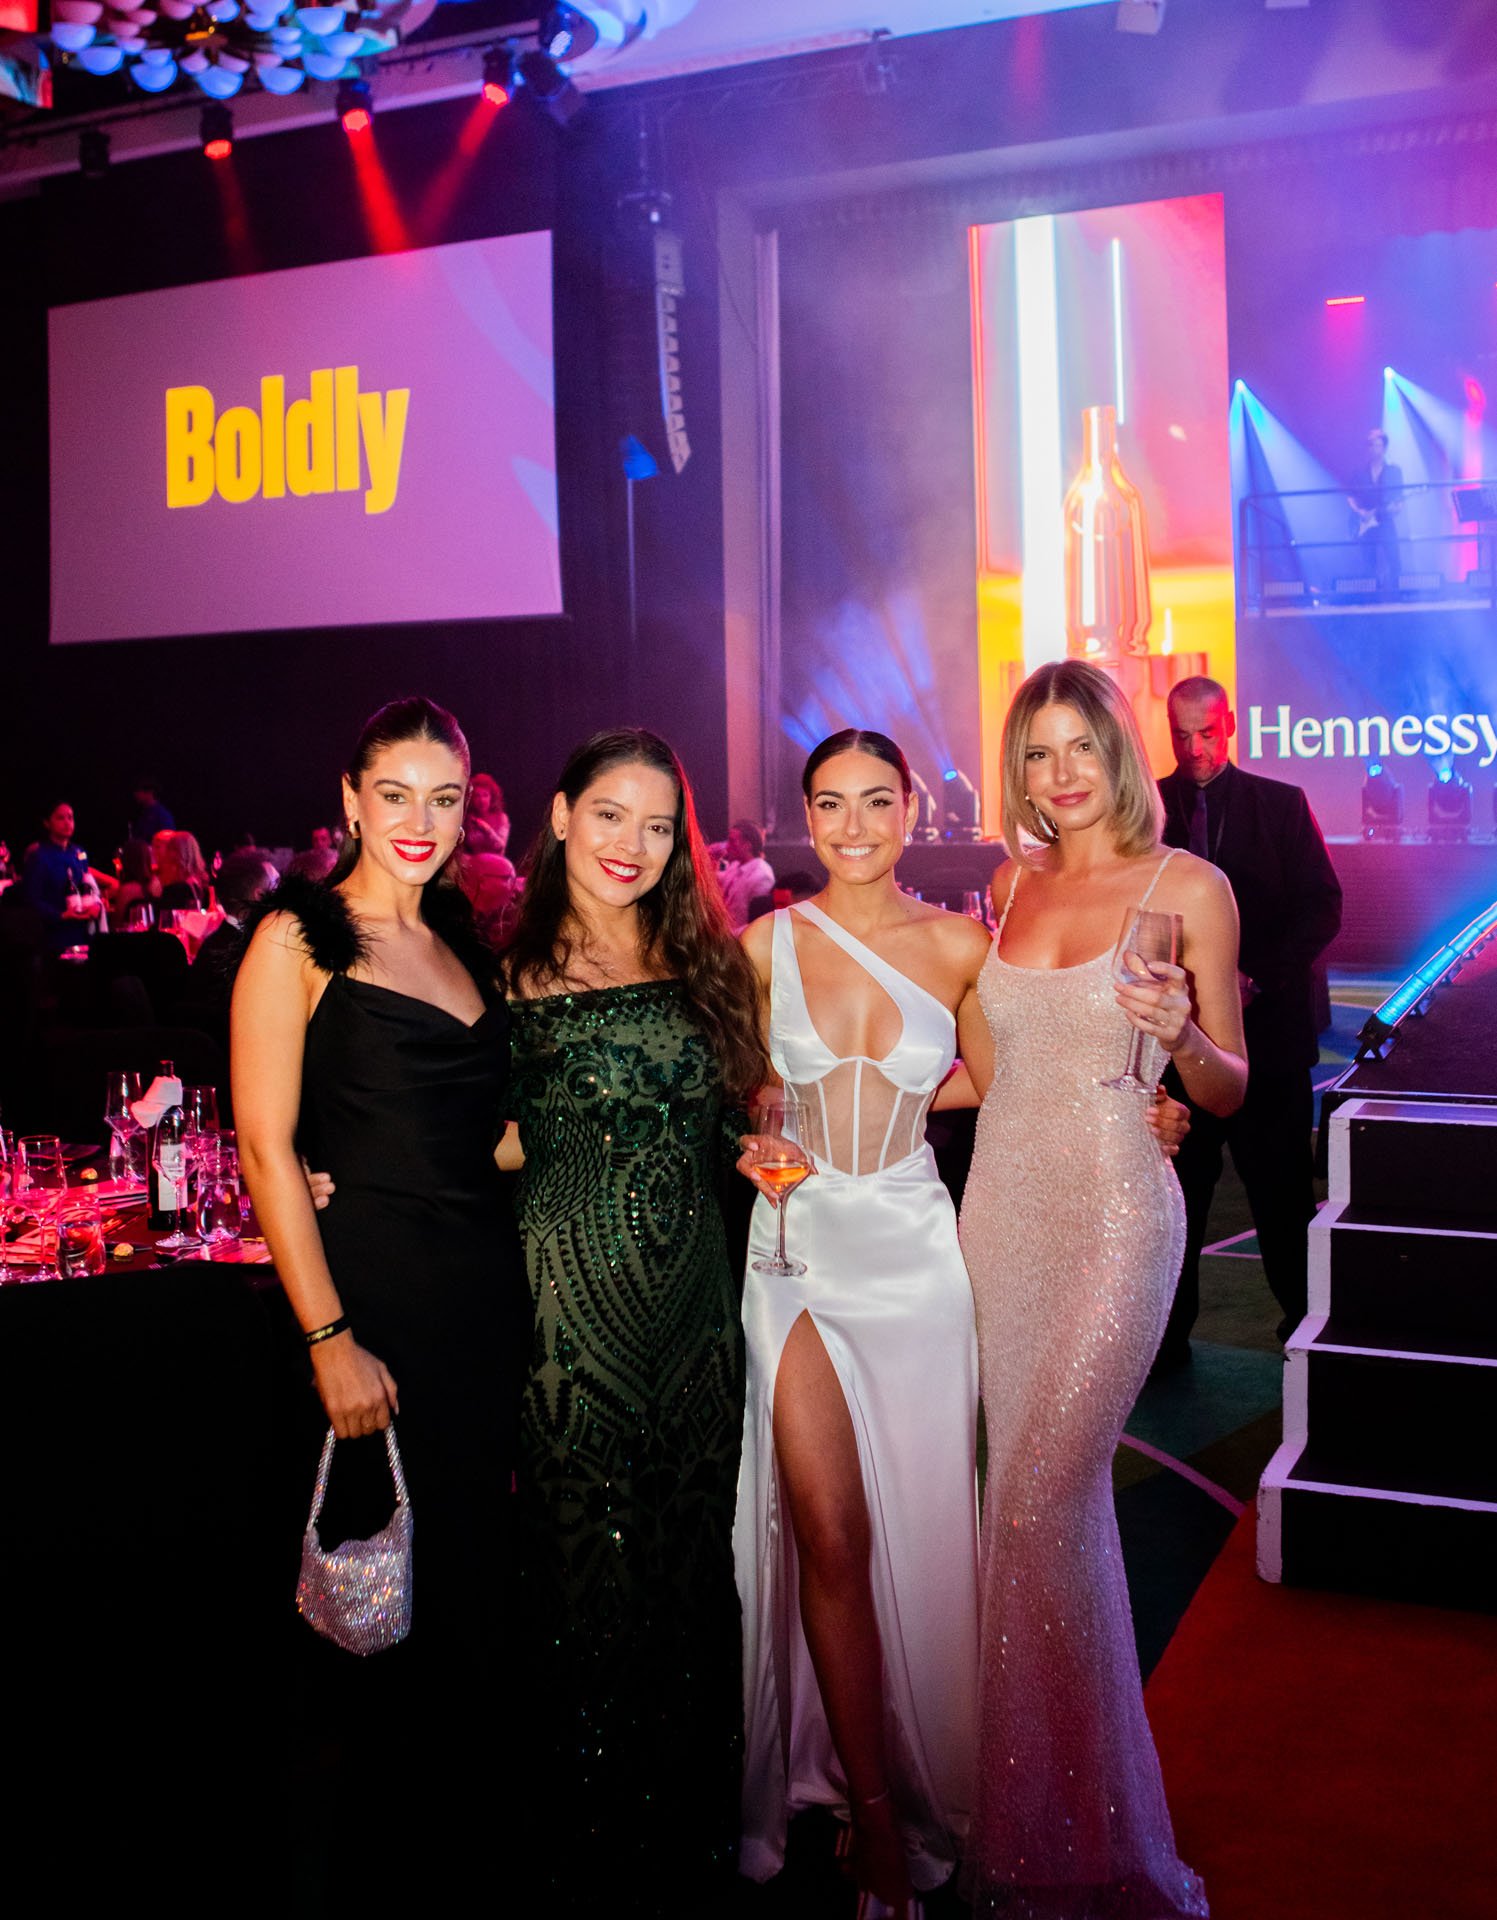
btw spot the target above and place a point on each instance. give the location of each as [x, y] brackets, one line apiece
[634, 1032]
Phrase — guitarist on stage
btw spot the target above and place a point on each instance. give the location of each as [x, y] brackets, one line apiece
[1375, 499]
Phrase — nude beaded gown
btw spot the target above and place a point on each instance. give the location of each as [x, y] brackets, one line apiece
[1073, 1226]
[887, 1290]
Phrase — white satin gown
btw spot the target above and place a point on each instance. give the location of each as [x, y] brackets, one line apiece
[887, 1289]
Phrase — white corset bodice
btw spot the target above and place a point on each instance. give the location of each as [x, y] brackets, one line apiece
[862, 1115]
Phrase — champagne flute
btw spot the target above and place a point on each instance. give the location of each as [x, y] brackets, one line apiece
[781, 1163]
[1147, 941]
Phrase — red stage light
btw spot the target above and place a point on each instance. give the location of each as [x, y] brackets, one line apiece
[357, 120]
[1348, 300]
[495, 94]
[219, 149]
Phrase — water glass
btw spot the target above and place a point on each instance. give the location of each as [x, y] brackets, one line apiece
[80, 1238]
[218, 1214]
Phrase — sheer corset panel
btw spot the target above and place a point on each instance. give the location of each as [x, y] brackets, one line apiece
[861, 1115]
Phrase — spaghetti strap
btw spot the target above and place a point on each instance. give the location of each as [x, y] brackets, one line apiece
[1003, 917]
[1157, 872]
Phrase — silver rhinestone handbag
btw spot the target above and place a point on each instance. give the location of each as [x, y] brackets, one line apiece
[359, 1595]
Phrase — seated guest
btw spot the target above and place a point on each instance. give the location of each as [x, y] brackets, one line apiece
[796, 886]
[183, 871]
[137, 879]
[242, 879]
[744, 873]
[151, 816]
[314, 862]
[486, 828]
[493, 891]
[322, 841]
[59, 883]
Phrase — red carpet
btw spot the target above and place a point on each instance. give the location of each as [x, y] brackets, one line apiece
[1327, 1755]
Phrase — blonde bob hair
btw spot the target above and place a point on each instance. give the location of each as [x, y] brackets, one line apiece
[1137, 811]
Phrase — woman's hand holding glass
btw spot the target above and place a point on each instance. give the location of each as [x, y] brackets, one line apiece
[1150, 989]
[776, 1162]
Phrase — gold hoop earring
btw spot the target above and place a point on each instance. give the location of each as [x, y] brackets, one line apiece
[353, 828]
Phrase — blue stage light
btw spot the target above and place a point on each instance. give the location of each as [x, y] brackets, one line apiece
[949, 774]
[1382, 804]
[1450, 805]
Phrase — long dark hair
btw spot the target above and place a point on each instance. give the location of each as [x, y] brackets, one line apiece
[858, 740]
[684, 924]
[414, 718]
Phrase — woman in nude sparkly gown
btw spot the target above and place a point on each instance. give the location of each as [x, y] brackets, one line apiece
[1072, 1228]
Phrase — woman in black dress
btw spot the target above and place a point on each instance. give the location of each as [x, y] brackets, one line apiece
[368, 1034]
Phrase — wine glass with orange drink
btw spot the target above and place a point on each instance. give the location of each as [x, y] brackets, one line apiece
[780, 1163]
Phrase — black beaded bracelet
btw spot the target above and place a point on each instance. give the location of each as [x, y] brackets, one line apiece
[319, 1334]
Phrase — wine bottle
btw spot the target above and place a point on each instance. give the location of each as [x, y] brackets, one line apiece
[169, 1159]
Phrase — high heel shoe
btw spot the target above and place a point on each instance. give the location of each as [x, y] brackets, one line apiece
[876, 1860]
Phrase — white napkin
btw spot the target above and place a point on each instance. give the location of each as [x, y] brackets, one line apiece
[163, 1092]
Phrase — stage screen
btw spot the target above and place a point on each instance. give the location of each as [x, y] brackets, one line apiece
[366, 442]
[1365, 647]
[1122, 308]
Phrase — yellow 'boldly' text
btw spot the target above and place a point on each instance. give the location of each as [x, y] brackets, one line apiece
[312, 446]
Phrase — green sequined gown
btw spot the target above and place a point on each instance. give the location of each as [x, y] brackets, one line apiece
[630, 1434]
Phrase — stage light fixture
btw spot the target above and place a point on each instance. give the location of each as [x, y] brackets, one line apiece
[1347, 300]
[561, 33]
[1382, 804]
[961, 808]
[1449, 805]
[925, 828]
[548, 86]
[498, 76]
[1140, 16]
[93, 153]
[355, 106]
[216, 131]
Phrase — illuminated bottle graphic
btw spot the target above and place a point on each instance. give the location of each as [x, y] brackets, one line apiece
[1107, 551]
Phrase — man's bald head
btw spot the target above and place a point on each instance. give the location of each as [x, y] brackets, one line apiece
[1201, 725]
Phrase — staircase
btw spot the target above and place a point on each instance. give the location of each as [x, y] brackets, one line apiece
[1386, 1481]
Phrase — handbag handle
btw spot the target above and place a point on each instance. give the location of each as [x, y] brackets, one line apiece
[324, 1467]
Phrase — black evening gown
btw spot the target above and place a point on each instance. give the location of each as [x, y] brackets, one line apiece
[402, 1103]
[629, 1440]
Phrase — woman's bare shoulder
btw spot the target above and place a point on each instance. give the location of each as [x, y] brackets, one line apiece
[1192, 880]
[957, 936]
[758, 941]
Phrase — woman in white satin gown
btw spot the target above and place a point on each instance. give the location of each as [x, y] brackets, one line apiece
[855, 1539]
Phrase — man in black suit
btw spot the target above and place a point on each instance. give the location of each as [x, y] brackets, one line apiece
[1375, 498]
[1263, 836]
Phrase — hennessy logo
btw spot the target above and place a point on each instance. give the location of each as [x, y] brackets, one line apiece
[1372, 736]
[321, 444]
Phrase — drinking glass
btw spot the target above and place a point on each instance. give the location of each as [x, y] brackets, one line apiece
[781, 1163]
[1148, 940]
[121, 1091]
[40, 1185]
[219, 1224]
[172, 1161]
[200, 1104]
[80, 1237]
